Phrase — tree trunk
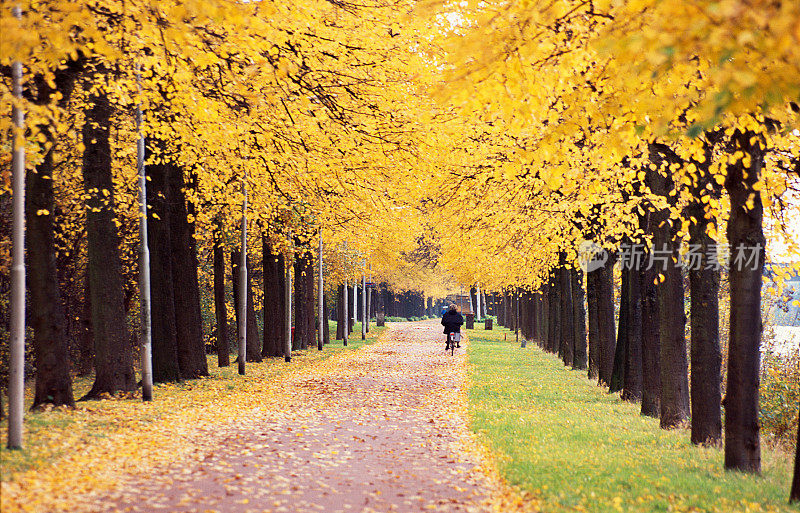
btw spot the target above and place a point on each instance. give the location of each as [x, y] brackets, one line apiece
[674, 367]
[311, 310]
[555, 315]
[162, 301]
[252, 349]
[579, 313]
[605, 321]
[621, 351]
[220, 306]
[185, 284]
[351, 307]
[532, 311]
[363, 307]
[632, 387]
[274, 307]
[113, 351]
[340, 312]
[501, 317]
[706, 355]
[86, 359]
[672, 319]
[567, 320]
[381, 307]
[303, 298]
[547, 323]
[746, 238]
[50, 344]
[651, 338]
[369, 306]
[593, 279]
[326, 327]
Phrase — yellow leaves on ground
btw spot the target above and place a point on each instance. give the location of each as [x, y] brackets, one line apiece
[387, 424]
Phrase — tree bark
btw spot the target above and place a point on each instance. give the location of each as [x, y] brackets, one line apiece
[252, 349]
[621, 351]
[162, 300]
[311, 310]
[674, 366]
[86, 358]
[651, 338]
[274, 307]
[185, 284]
[325, 322]
[605, 321]
[50, 344]
[304, 298]
[592, 298]
[706, 355]
[113, 351]
[501, 317]
[567, 317]
[369, 306]
[632, 386]
[545, 315]
[220, 306]
[555, 314]
[672, 318]
[351, 314]
[742, 444]
[579, 312]
[340, 312]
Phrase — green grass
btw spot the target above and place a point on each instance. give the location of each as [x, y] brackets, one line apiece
[574, 447]
[49, 434]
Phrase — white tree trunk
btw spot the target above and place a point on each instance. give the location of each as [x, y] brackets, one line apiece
[369, 306]
[363, 307]
[355, 302]
[478, 298]
[16, 377]
[144, 265]
[320, 310]
[471, 305]
[345, 315]
[287, 300]
[243, 286]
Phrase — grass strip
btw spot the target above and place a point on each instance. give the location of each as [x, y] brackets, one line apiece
[557, 436]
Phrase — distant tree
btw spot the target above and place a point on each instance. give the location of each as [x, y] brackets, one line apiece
[220, 304]
[253, 348]
[274, 307]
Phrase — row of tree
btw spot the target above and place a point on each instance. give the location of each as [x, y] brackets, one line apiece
[642, 124]
[221, 104]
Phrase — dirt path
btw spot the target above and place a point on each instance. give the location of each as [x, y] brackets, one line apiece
[379, 430]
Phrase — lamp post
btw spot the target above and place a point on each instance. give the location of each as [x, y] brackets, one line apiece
[16, 377]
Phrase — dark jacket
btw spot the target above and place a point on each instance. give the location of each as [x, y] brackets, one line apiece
[452, 322]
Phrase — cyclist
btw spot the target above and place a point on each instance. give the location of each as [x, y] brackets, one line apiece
[452, 321]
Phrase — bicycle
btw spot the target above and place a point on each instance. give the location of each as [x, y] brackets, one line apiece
[452, 339]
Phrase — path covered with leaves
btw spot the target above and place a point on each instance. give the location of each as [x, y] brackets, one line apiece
[382, 429]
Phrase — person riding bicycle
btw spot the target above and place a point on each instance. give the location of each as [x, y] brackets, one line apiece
[452, 321]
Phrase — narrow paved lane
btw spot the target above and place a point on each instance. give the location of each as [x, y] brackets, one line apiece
[378, 430]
